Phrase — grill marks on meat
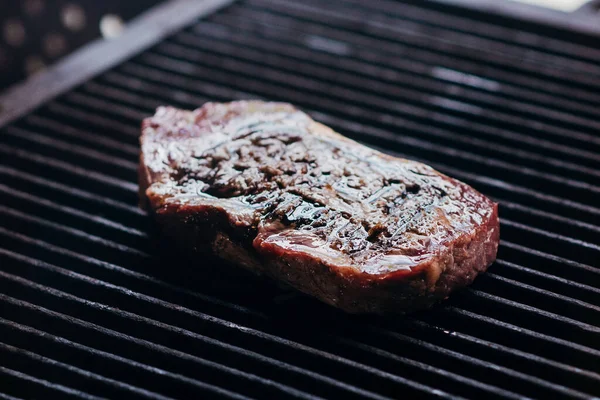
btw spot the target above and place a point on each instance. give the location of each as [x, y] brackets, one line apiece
[290, 187]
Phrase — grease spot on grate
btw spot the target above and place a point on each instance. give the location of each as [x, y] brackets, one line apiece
[465, 78]
[329, 45]
[455, 105]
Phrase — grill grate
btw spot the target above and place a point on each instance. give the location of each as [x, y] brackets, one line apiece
[90, 308]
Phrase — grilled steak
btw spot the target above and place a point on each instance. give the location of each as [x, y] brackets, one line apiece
[264, 186]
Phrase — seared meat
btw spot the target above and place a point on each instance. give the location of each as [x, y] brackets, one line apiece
[264, 186]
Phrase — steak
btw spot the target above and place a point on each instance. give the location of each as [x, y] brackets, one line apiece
[265, 187]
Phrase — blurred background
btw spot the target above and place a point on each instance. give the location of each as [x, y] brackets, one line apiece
[37, 33]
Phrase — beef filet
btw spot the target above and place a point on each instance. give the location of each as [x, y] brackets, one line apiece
[265, 187]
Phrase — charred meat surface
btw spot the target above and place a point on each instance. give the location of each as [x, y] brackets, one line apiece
[264, 186]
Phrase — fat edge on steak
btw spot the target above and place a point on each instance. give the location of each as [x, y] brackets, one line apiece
[265, 187]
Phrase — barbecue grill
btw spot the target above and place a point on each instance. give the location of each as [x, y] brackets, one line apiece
[508, 102]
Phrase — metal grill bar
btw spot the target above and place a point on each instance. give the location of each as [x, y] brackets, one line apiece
[12, 377]
[472, 34]
[391, 32]
[165, 378]
[396, 49]
[75, 374]
[54, 128]
[532, 40]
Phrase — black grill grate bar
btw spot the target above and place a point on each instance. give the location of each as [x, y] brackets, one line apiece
[78, 151]
[529, 176]
[19, 379]
[192, 63]
[490, 322]
[484, 35]
[310, 28]
[105, 244]
[445, 374]
[64, 167]
[592, 251]
[555, 283]
[128, 216]
[592, 273]
[391, 32]
[441, 134]
[585, 329]
[142, 103]
[523, 38]
[7, 397]
[473, 386]
[57, 216]
[56, 128]
[537, 385]
[109, 125]
[100, 264]
[133, 114]
[522, 376]
[155, 374]
[50, 207]
[363, 130]
[74, 218]
[583, 228]
[102, 269]
[78, 373]
[371, 77]
[197, 337]
[243, 377]
[366, 62]
[456, 345]
[578, 307]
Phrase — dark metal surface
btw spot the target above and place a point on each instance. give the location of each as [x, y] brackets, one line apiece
[91, 307]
